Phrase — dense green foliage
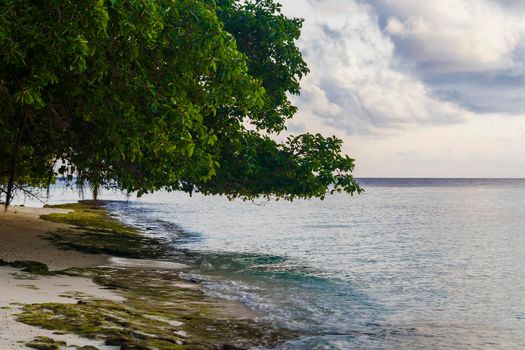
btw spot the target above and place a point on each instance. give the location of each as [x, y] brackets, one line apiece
[143, 95]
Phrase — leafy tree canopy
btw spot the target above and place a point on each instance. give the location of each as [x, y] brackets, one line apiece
[143, 95]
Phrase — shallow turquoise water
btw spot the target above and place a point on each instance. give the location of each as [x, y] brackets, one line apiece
[411, 264]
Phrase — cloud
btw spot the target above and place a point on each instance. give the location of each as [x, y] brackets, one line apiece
[387, 64]
[471, 53]
[512, 5]
[356, 83]
[462, 35]
[417, 88]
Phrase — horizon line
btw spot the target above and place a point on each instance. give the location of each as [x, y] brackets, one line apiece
[439, 178]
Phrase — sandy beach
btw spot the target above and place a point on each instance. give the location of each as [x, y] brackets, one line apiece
[21, 238]
[123, 300]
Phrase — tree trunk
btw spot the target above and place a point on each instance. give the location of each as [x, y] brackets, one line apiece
[14, 158]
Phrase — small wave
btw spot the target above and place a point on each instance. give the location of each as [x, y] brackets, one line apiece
[234, 291]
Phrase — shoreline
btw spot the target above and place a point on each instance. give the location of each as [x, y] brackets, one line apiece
[102, 268]
[22, 232]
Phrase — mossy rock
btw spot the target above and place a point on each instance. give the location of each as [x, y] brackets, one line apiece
[154, 315]
[98, 233]
[45, 343]
[91, 218]
[32, 267]
[157, 313]
[93, 242]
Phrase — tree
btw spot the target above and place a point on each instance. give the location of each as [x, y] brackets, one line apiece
[146, 95]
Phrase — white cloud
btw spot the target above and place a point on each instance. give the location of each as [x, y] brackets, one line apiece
[354, 85]
[470, 52]
[462, 35]
[417, 88]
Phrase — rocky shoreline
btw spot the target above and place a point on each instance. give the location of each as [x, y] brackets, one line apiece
[143, 303]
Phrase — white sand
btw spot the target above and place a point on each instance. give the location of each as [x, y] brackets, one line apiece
[21, 233]
[45, 289]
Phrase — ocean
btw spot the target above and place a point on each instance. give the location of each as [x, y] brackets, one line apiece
[409, 264]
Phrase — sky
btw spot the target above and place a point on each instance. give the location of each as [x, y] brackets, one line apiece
[432, 88]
